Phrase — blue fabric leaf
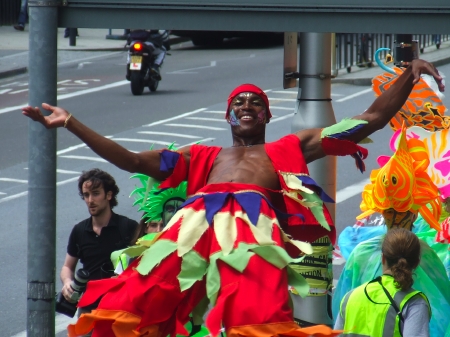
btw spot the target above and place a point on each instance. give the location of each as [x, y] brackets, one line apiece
[359, 162]
[306, 180]
[251, 204]
[345, 134]
[213, 204]
[190, 200]
[168, 160]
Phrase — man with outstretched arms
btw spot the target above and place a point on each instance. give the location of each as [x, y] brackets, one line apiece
[247, 206]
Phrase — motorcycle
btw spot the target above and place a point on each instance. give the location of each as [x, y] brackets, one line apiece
[141, 73]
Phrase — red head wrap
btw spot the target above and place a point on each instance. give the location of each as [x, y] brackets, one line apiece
[249, 88]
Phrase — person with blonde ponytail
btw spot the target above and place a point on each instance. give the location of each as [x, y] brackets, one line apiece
[388, 305]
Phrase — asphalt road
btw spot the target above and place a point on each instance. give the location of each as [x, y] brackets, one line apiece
[188, 107]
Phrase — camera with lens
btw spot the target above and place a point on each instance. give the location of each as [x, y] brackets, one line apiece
[69, 308]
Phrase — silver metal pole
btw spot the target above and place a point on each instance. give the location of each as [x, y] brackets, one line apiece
[314, 110]
[41, 173]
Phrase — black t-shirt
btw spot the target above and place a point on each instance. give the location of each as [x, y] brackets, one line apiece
[94, 250]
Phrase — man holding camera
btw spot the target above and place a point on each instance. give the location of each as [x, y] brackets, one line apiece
[94, 239]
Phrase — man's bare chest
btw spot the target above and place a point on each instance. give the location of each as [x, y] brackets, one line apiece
[244, 165]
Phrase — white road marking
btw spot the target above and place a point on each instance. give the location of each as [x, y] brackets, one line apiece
[63, 182]
[215, 112]
[14, 55]
[71, 148]
[136, 140]
[81, 64]
[207, 119]
[73, 94]
[89, 58]
[283, 99]
[75, 147]
[4, 91]
[351, 191]
[14, 196]
[18, 91]
[22, 194]
[356, 94]
[189, 71]
[2, 193]
[201, 141]
[91, 90]
[14, 180]
[281, 118]
[196, 126]
[67, 171]
[274, 107]
[86, 158]
[162, 121]
[169, 134]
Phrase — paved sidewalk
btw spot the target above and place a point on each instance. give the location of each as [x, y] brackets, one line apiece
[14, 52]
[14, 46]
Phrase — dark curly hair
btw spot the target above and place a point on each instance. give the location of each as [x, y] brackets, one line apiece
[99, 178]
[401, 249]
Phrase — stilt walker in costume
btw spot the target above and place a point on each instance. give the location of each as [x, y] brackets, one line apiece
[399, 190]
[227, 241]
[159, 206]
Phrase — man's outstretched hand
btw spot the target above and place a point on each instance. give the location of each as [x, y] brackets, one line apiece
[419, 67]
[54, 120]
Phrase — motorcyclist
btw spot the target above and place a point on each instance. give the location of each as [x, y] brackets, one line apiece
[159, 40]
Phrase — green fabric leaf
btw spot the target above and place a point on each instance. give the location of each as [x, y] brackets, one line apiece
[342, 126]
[297, 281]
[135, 250]
[276, 255]
[193, 268]
[238, 259]
[317, 209]
[155, 254]
[213, 278]
[115, 256]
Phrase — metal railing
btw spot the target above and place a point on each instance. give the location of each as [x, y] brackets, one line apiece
[357, 50]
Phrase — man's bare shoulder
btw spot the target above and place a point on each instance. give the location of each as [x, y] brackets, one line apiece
[310, 144]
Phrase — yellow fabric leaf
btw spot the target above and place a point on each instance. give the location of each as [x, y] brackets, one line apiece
[225, 230]
[192, 227]
[294, 183]
[263, 231]
[305, 247]
[294, 196]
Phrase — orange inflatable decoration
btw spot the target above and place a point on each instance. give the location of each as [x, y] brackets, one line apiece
[403, 184]
[422, 108]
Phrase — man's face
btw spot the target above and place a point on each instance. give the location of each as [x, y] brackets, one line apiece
[96, 199]
[396, 219]
[169, 209]
[247, 112]
[154, 227]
